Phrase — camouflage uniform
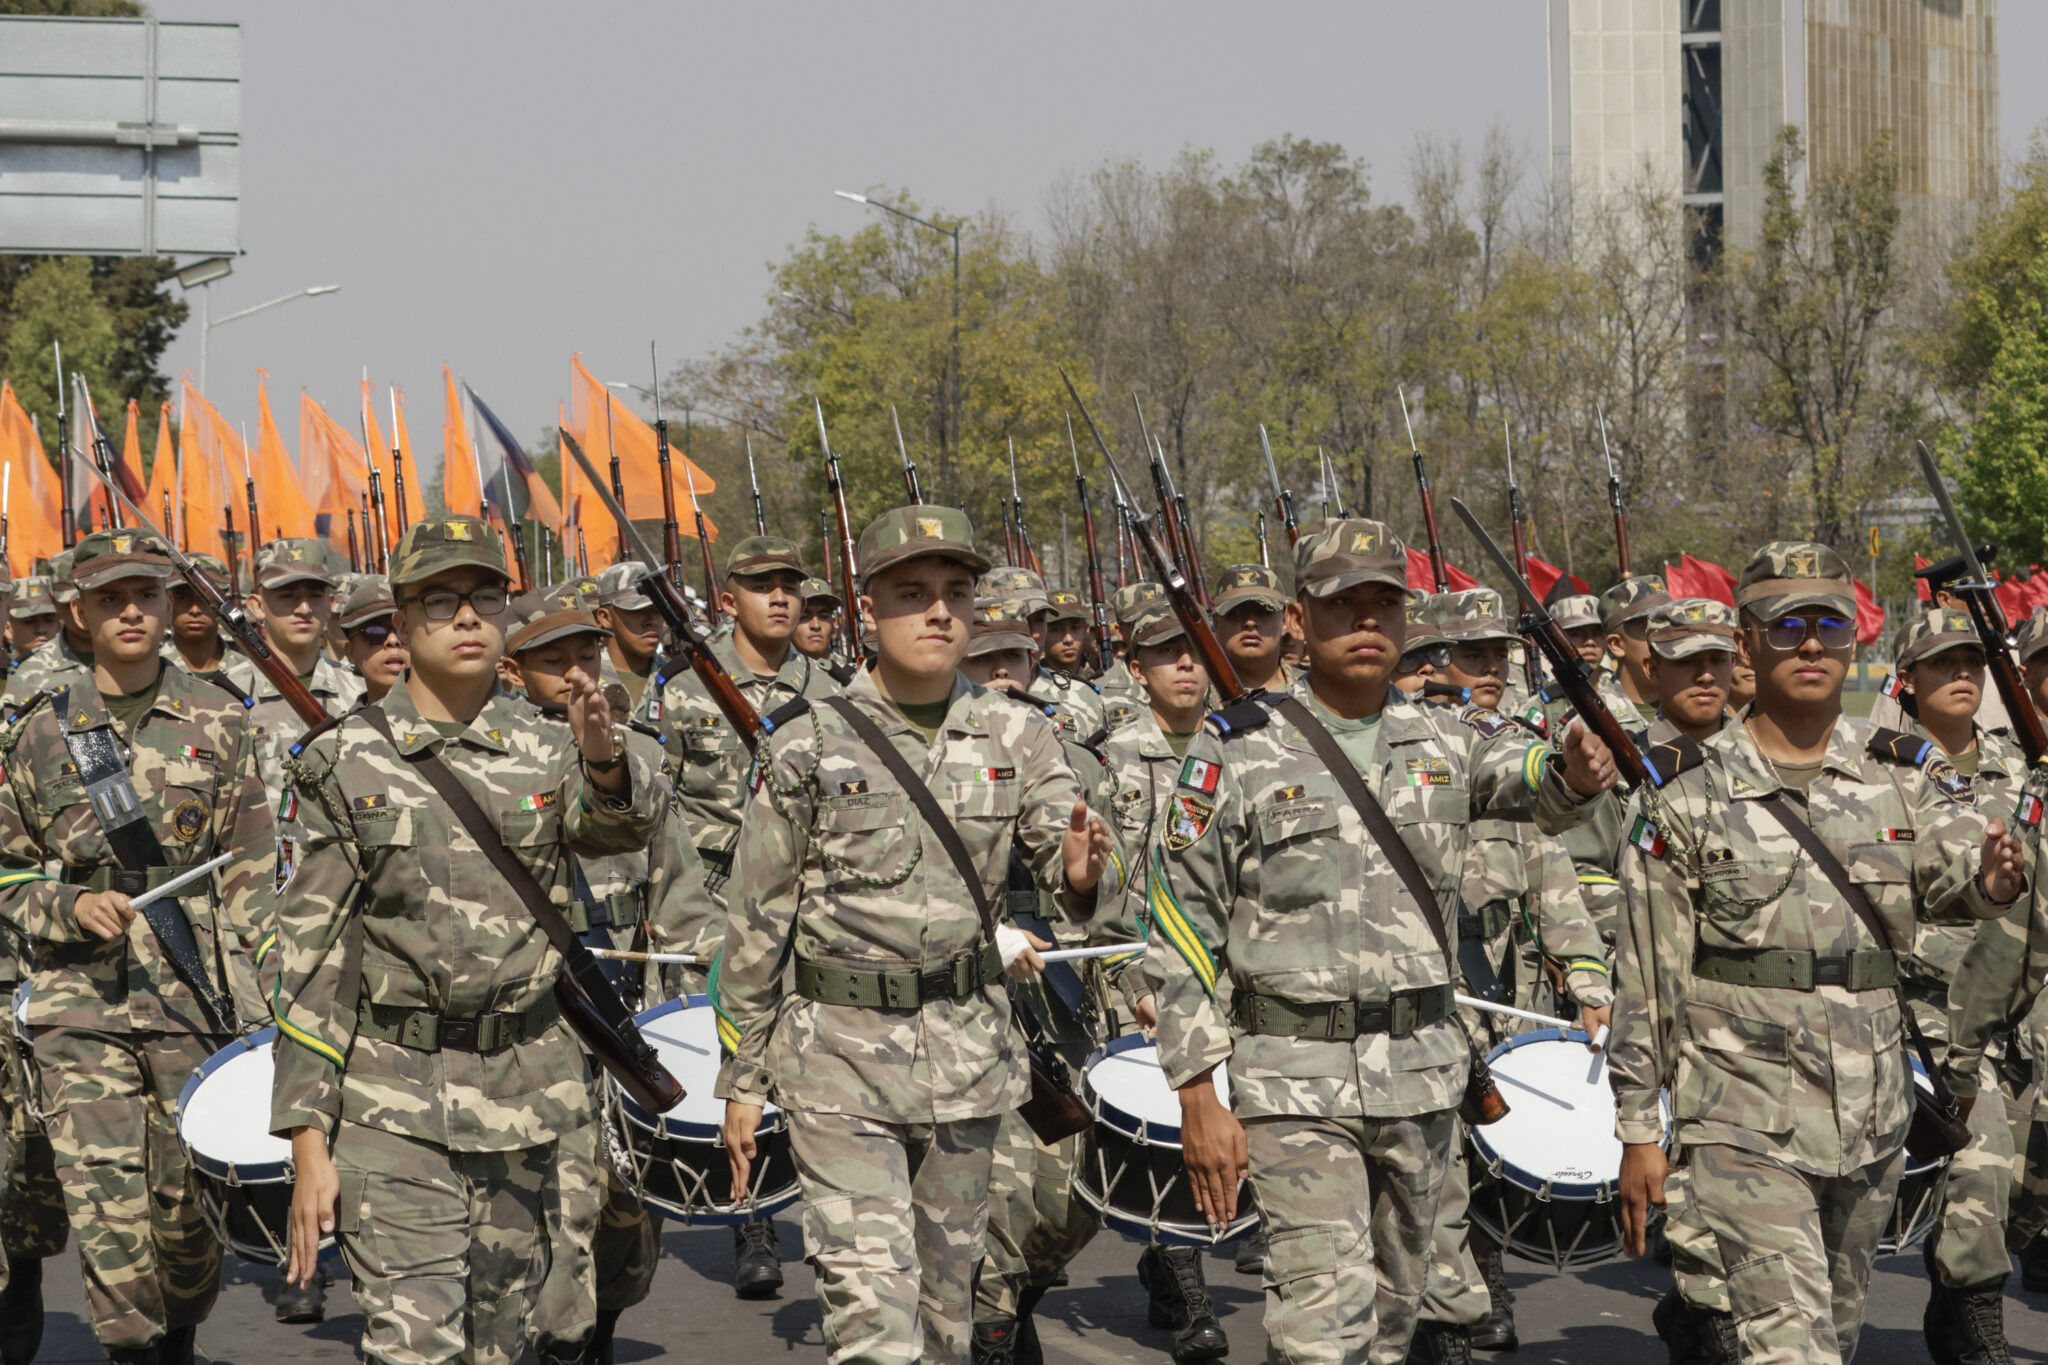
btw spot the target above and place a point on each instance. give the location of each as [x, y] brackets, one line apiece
[118, 1032]
[1275, 914]
[30, 598]
[337, 686]
[1632, 599]
[1123, 696]
[892, 1111]
[1792, 1096]
[54, 664]
[428, 1048]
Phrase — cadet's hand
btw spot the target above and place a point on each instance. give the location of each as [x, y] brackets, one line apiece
[1028, 963]
[2005, 864]
[741, 1122]
[1593, 1020]
[1643, 1167]
[590, 721]
[316, 1193]
[1147, 1012]
[105, 913]
[1085, 849]
[1588, 766]
[1212, 1150]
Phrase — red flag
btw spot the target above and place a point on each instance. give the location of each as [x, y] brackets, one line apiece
[1543, 577]
[1708, 579]
[1423, 579]
[2013, 596]
[1869, 617]
[1678, 580]
[1919, 583]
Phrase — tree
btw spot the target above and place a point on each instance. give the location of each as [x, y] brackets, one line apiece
[54, 302]
[2003, 463]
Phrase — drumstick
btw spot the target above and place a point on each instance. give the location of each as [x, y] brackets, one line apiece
[1099, 950]
[1051, 955]
[626, 955]
[1599, 1039]
[178, 883]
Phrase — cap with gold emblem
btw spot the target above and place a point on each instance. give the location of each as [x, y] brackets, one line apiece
[621, 586]
[1007, 580]
[1125, 601]
[1937, 632]
[1786, 575]
[214, 567]
[292, 560]
[1687, 626]
[763, 555]
[32, 597]
[1241, 583]
[368, 600]
[999, 624]
[1575, 612]
[818, 590]
[1155, 624]
[105, 556]
[1474, 614]
[918, 532]
[548, 615]
[1632, 597]
[1423, 631]
[61, 586]
[2033, 637]
[1344, 552]
[1067, 605]
[448, 541]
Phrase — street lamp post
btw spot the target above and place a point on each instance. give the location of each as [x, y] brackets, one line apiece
[206, 324]
[952, 442]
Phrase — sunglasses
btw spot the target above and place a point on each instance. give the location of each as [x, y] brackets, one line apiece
[1436, 656]
[376, 632]
[1789, 632]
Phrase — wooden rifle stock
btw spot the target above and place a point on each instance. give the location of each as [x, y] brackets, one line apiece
[1194, 556]
[1098, 599]
[355, 560]
[255, 526]
[672, 529]
[1439, 567]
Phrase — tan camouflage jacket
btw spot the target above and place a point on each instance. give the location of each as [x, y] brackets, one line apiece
[1938, 948]
[1077, 697]
[53, 664]
[393, 908]
[834, 866]
[192, 760]
[1999, 983]
[1266, 880]
[707, 760]
[1813, 1078]
[278, 726]
[1122, 695]
[1145, 768]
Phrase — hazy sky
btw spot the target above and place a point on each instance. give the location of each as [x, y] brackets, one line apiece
[496, 185]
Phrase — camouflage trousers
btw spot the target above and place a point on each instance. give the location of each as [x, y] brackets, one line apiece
[2029, 1216]
[32, 1221]
[1798, 1249]
[445, 1248]
[894, 1217]
[1976, 1195]
[1695, 1255]
[1349, 1204]
[603, 1244]
[1036, 1223]
[110, 1100]
[1455, 1290]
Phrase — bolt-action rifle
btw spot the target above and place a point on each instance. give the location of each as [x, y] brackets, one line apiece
[909, 469]
[1283, 501]
[1105, 638]
[1532, 672]
[1029, 551]
[355, 559]
[1614, 498]
[1439, 569]
[849, 568]
[671, 529]
[1265, 554]
[67, 517]
[754, 485]
[397, 469]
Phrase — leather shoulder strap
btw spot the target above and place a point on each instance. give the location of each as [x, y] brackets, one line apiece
[927, 805]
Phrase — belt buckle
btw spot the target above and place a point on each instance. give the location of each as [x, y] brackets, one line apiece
[940, 983]
[1830, 971]
[128, 882]
[458, 1035]
[1377, 1017]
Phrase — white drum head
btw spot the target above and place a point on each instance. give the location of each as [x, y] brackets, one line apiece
[227, 1119]
[1560, 1123]
[1135, 1082]
[687, 1042]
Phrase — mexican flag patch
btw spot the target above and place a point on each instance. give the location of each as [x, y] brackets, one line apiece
[1201, 774]
[540, 802]
[991, 774]
[1895, 836]
[1646, 837]
[2028, 812]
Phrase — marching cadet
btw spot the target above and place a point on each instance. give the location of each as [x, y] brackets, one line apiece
[625, 610]
[424, 1074]
[1123, 695]
[1519, 921]
[1624, 614]
[65, 658]
[1248, 607]
[1594, 844]
[293, 601]
[896, 1060]
[369, 635]
[1765, 997]
[1938, 581]
[1062, 635]
[1058, 683]
[1425, 658]
[1289, 941]
[195, 643]
[126, 1005]
[31, 616]
[815, 628]
[604, 1243]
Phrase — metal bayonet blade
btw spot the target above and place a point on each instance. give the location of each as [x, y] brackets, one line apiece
[1530, 601]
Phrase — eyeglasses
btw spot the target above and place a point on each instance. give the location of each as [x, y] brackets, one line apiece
[441, 604]
[1436, 656]
[1789, 632]
[378, 632]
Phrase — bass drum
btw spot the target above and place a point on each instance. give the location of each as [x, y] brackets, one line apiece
[1920, 1192]
[676, 1161]
[241, 1176]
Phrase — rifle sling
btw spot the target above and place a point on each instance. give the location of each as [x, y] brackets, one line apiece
[582, 966]
[110, 792]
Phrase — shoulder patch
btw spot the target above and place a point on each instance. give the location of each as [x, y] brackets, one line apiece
[1487, 722]
[1894, 747]
[1667, 761]
[1951, 783]
[1187, 819]
[1200, 774]
[1249, 714]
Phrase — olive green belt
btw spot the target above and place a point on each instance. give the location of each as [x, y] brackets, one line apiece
[619, 910]
[1343, 1020]
[107, 877]
[428, 1031]
[903, 989]
[1797, 969]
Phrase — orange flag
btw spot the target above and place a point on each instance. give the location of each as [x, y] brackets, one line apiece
[211, 467]
[337, 472]
[163, 476]
[34, 527]
[280, 492]
[572, 514]
[605, 427]
[459, 487]
[415, 508]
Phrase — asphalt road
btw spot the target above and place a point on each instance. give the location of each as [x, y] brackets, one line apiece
[1601, 1314]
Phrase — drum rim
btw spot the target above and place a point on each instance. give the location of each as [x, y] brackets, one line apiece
[665, 1125]
[1109, 1115]
[1575, 1191]
[257, 1173]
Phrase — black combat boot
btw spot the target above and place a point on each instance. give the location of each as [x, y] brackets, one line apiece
[21, 1311]
[1251, 1252]
[552, 1350]
[1718, 1342]
[133, 1355]
[598, 1350]
[1440, 1343]
[756, 1261]
[2034, 1265]
[1172, 1276]
[1496, 1332]
[1980, 1319]
[1028, 1351]
[176, 1346]
[995, 1343]
[1939, 1322]
[302, 1307]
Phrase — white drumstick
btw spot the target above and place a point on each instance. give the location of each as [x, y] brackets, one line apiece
[177, 883]
[623, 955]
[1599, 1038]
[692, 960]
[1099, 950]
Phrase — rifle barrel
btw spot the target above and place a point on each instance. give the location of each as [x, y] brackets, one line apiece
[1439, 567]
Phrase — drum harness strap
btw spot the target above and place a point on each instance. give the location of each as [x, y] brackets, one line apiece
[139, 856]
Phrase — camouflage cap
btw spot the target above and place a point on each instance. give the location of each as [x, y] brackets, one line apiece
[1786, 575]
[818, 590]
[1576, 611]
[32, 597]
[107, 556]
[1937, 632]
[764, 555]
[1423, 631]
[292, 560]
[368, 599]
[2033, 637]
[550, 614]
[917, 532]
[213, 566]
[1241, 583]
[1474, 614]
[1633, 596]
[1687, 626]
[1346, 551]
[1067, 605]
[1156, 623]
[620, 586]
[999, 623]
[1007, 580]
[587, 586]
[1125, 601]
[61, 586]
[447, 541]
